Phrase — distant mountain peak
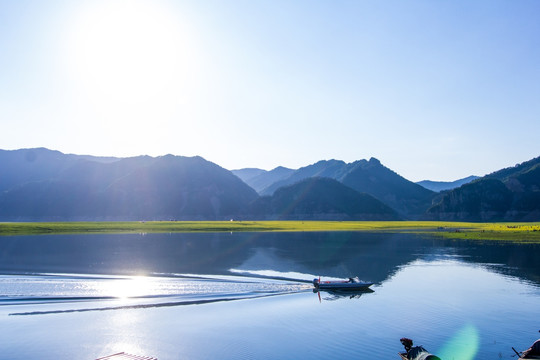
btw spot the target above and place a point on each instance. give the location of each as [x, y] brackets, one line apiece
[281, 168]
[439, 186]
[320, 198]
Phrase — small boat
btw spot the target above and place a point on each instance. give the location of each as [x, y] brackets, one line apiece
[415, 352]
[531, 353]
[353, 284]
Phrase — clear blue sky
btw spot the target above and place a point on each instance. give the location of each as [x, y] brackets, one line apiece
[434, 89]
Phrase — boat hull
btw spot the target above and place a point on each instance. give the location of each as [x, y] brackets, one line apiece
[343, 286]
[353, 284]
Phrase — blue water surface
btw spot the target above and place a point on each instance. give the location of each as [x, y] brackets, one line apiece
[248, 296]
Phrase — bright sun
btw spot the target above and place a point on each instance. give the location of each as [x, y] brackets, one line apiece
[130, 55]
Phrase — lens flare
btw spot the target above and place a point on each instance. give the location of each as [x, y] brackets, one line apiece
[463, 345]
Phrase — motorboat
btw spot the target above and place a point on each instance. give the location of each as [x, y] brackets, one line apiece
[352, 284]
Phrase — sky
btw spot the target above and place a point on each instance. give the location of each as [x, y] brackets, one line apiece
[436, 90]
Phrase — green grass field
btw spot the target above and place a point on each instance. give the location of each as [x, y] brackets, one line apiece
[515, 232]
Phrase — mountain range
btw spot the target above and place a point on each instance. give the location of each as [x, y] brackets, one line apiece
[509, 194]
[371, 177]
[39, 184]
[46, 185]
[439, 186]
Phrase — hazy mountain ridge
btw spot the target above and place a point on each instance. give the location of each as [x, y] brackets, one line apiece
[370, 177]
[325, 168]
[511, 194]
[439, 186]
[46, 185]
[319, 198]
[260, 179]
[246, 174]
[139, 188]
[20, 166]
[409, 199]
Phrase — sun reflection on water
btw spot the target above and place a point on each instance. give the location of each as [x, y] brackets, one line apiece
[126, 288]
[125, 333]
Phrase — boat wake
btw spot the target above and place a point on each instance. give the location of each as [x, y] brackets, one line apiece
[39, 294]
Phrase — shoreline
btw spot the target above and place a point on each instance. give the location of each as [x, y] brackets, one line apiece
[504, 231]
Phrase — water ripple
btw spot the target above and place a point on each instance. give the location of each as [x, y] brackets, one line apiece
[111, 293]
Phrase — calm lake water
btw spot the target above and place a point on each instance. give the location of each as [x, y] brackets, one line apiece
[221, 295]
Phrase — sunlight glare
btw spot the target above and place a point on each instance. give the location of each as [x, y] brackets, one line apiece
[128, 287]
[133, 60]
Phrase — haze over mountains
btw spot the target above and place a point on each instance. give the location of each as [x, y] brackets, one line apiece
[439, 186]
[508, 194]
[46, 185]
[364, 176]
[39, 184]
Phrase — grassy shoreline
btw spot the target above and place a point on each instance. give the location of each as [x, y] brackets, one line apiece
[515, 232]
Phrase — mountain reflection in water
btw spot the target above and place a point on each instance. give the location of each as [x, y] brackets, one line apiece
[371, 256]
[249, 295]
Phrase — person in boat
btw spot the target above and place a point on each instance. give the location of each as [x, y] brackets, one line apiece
[416, 352]
[534, 350]
[407, 343]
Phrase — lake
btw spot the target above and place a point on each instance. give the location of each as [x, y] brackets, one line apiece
[249, 296]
